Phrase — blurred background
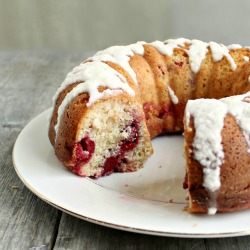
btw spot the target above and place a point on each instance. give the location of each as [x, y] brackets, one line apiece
[90, 25]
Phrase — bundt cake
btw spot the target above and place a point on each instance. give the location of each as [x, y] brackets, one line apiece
[109, 108]
[217, 148]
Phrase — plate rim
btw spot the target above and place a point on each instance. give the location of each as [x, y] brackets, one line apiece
[109, 224]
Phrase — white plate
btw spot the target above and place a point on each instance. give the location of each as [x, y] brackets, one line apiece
[149, 201]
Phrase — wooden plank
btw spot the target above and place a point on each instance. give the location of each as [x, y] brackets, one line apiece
[78, 234]
[25, 220]
[232, 243]
[28, 81]
[74, 233]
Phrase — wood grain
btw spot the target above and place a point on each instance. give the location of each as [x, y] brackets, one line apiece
[77, 234]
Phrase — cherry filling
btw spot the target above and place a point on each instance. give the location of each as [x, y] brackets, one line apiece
[180, 64]
[83, 152]
[112, 163]
[167, 110]
[132, 140]
[185, 182]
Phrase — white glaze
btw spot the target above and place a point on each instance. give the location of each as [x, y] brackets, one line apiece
[197, 51]
[120, 55]
[167, 47]
[207, 149]
[212, 210]
[248, 79]
[92, 75]
[234, 46]
[173, 97]
[246, 58]
[218, 51]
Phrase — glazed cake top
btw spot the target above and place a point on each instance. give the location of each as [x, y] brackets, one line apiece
[88, 72]
[207, 145]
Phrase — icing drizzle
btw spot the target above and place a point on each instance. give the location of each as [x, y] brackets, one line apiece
[197, 51]
[120, 55]
[167, 47]
[209, 117]
[173, 97]
[207, 148]
[220, 50]
[246, 58]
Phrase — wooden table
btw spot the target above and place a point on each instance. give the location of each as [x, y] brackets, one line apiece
[28, 81]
